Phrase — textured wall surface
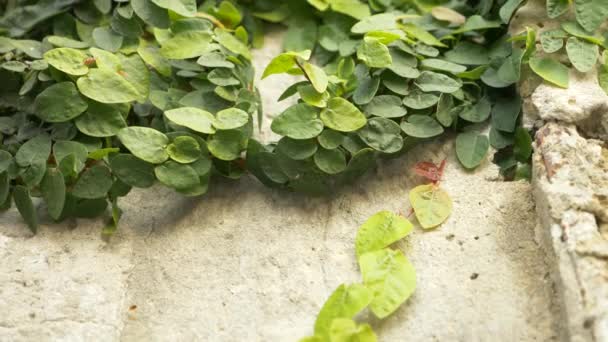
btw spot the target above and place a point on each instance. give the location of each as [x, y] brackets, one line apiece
[570, 186]
[246, 263]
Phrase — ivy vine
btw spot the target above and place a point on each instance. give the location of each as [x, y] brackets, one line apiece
[98, 97]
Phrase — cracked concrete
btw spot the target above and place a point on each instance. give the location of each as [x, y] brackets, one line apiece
[246, 263]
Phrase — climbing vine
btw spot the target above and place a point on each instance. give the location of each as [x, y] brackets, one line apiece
[102, 96]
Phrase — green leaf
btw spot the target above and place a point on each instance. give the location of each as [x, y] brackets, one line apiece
[550, 70]
[59, 103]
[507, 10]
[378, 22]
[381, 230]
[345, 302]
[34, 151]
[382, 134]
[24, 204]
[330, 139]
[353, 8]
[479, 112]
[132, 170]
[101, 120]
[505, 113]
[284, 62]
[523, 145]
[136, 73]
[107, 39]
[184, 150]
[193, 118]
[5, 187]
[431, 204]
[467, 53]
[317, 76]
[151, 55]
[226, 145]
[390, 277]
[444, 110]
[576, 30]
[552, 40]
[231, 43]
[297, 149]
[374, 54]
[145, 143]
[300, 121]
[53, 191]
[421, 126]
[403, 64]
[331, 161]
[231, 118]
[471, 148]
[555, 8]
[70, 61]
[343, 116]
[105, 86]
[477, 23]
[177, 176]
[187, 8]
[188, 44]
[583, 55]
[346, 330]
[366, 90]
[442, 65]
[419, 100]
[386, 106]
[421, 35]
[432, 81]
[309, 95]
[93, 183]
[151, 13]
[590, 14]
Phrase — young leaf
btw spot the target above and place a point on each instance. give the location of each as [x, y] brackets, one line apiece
[583, 55]
[390, 277]
[555, 8]
[591, 13]
[184, 150]
[106, 86]
[285, 62]
[345, 302]
[187, 44]
[431, 204]
[374, 54]
[380, 231]
[317, 77]
[70, 61]
[346, 330]
[551, 70]
[343, 116]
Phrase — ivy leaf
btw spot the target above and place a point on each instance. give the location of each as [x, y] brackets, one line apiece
[421, 35]
[70, 61]
[231, 43]
[555, 8]
[591, 13]
[177, 176]
[106, 86]
[297, 149]
[53, 191]
[317, 77]
[184, 45]
[151, 13]
[374, 54]
[390, 277]
[419, 100]
[226, 145]
[184, 150]
[431, 204]
[93, 183]
[583, 55]
[300, 121]
[24, 204]
[471, 148]
[284, 62]
[107, 39]
[193, 118]
[552, 40]
[381, 230]
[421, 126]
[343, 116]
[382, 134]
[132, 170]
[145, 143]
[353, 8]
[59, 103]
[345, 302]
[231, 118]
[378, 22]
[478, 112]
[432, 81]
[550, 70]
[330, 139]
[101, 120]
[346, 330]
[187, 8]
[34, 151]
[386, 106]
[330, 161]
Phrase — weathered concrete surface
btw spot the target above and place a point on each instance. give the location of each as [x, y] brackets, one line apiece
[246, 263]
[570, 185]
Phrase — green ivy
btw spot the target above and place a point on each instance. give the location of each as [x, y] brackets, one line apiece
[102, 96]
